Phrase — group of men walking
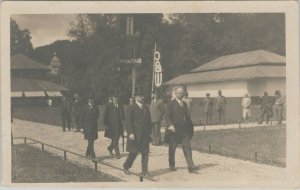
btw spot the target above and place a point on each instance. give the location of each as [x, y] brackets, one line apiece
[143, 124]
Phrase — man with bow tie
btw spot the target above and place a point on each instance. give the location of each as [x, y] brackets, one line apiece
[138, 125]
[180, 130]
[113, 119]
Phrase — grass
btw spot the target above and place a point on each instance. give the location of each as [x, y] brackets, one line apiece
[30, 165]
[268, 142]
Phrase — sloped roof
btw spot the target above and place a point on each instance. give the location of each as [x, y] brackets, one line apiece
[257, 57]
[20, 61]
[244, 73]
[20, 84]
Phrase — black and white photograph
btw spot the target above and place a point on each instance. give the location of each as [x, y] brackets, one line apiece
[177, 96]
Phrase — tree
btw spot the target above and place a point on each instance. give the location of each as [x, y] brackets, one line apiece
[19, 40]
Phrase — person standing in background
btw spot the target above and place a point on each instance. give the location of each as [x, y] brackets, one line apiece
[188, 102]
[66, 112]
[266, 108]
[113, 119]
[208, 107]
[156, 112]
[221, 107]
[76, 112]
[90, 114]
[246, 102]
[278, 107]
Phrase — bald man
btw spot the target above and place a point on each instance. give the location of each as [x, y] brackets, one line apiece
[180, 130]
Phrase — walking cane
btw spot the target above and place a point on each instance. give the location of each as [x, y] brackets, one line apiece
[123, 142]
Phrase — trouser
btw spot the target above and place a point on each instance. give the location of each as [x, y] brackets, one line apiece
[156, 135]
[264, 113]
[221, 116]
[66, 120]
[279, 111]
[115, 145]
[208, 116]
[76, 122]
[186, 147]
[90, 148]
[132, 156]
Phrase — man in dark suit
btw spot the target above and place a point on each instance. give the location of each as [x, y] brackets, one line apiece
[66, 113]
[113, 119]
[76, 111]
[138, 125]
[90, 114]
[266, 108]
[180, 130]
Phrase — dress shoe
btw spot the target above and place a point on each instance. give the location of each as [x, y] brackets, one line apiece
[110, 151]
[193, 169]
[173, 169]
[145, 174]
[126, 171]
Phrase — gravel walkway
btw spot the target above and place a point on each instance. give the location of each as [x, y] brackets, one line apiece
[212, 167]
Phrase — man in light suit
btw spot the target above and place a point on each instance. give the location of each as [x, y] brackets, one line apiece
[156, 112]
[138, 126]
[180, 130]
[221, 107]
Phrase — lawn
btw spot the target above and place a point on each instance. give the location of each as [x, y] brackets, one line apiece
[30, 165]
[269, 143]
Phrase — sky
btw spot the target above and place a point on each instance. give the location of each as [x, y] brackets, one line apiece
[45, 29]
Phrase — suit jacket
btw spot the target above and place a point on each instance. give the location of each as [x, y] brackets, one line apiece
[208, 105]
[221, 103]
[178, 116]
[113, 118]
[89, 122]
[157, 111]
[138, 122]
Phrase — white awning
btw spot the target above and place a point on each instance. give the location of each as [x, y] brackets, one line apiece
[34, 93]
[16, 94]
[54, 93]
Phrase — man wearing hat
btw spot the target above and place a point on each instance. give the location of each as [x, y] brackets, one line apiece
[208, 105]
[221, 107]
[180, 130]
[66, 112]
[113, 119]
[138, 125]
[90, 114]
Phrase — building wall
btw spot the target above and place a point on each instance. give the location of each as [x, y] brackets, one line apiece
[229, 89]
[257, 87]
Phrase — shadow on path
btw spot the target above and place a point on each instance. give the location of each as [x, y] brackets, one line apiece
[167, 170]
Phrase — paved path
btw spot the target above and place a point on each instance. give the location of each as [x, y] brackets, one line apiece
[212, 167]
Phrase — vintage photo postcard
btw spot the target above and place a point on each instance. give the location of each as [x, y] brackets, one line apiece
[150, 94]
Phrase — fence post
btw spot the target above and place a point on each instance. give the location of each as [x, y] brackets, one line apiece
[65, 155]
[42, 146]
[141, 179]
[255, 156]
[96, 166]
[209, 149]
[25, 140]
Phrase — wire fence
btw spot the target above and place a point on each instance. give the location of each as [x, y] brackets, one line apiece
[96, 163]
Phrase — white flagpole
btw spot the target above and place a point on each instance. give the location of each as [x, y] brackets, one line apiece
[153, 72]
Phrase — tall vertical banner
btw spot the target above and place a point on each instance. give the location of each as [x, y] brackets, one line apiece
[157, 70]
